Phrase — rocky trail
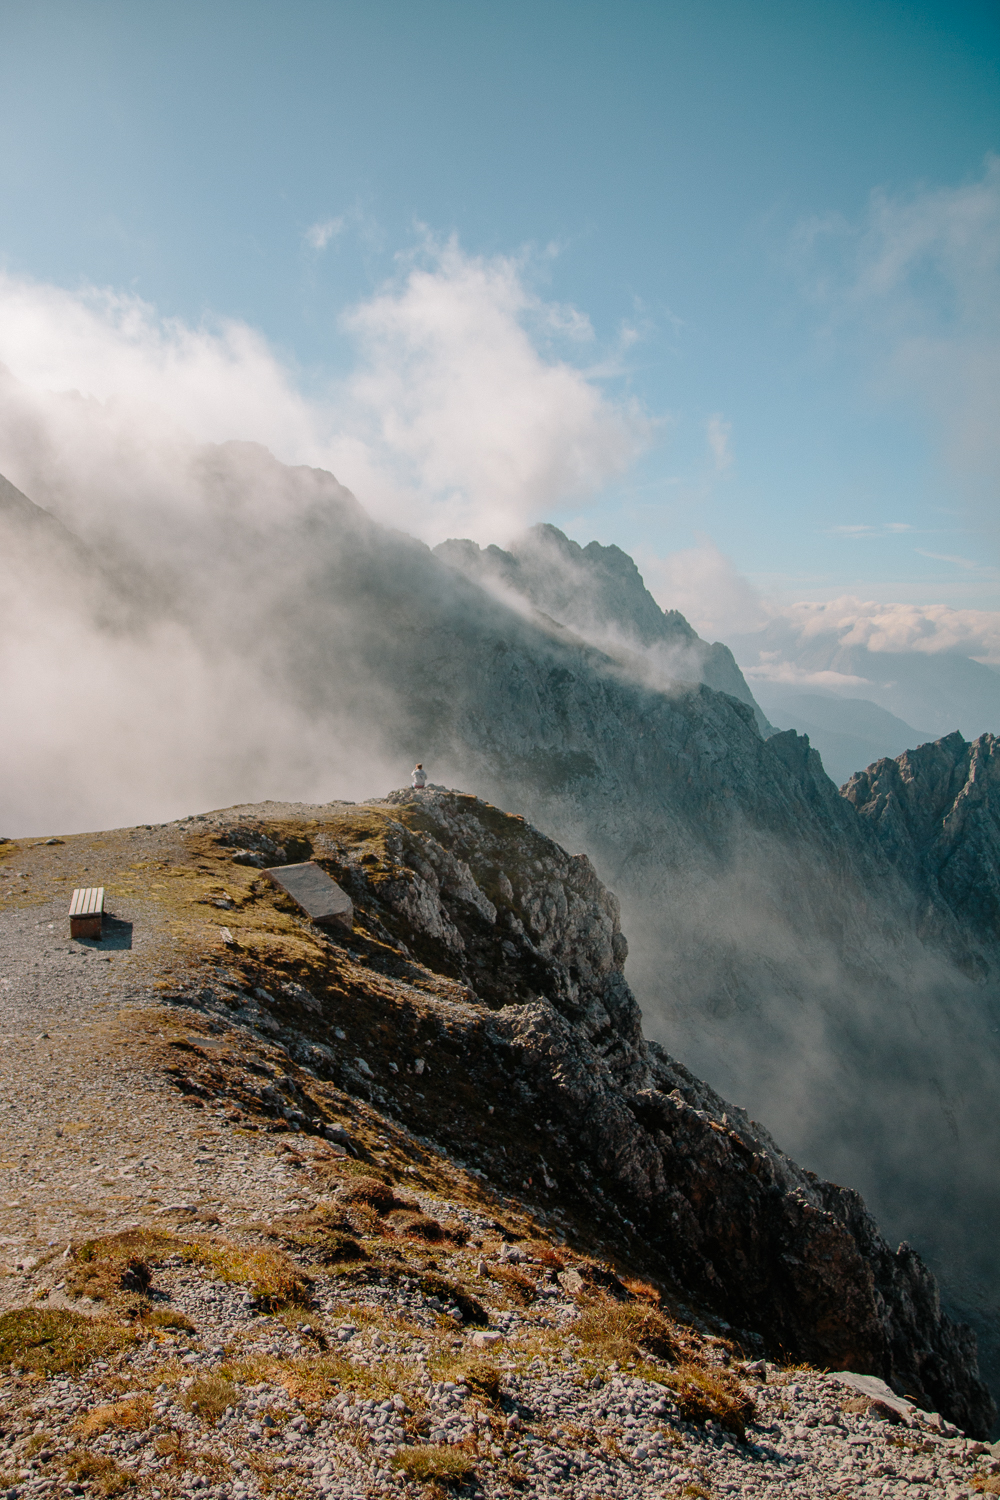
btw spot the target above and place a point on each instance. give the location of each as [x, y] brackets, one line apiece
[413, 1209]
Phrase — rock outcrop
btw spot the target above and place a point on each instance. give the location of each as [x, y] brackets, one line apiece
[539, 1078]
[936, 811]
[598, 593]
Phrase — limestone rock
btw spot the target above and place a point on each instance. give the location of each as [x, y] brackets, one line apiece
[630, 1133]
[936, 812]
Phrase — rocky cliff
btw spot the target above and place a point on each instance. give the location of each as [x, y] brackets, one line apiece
[532, 1070]
[412, 1205]
[598, 593]
[936, 812]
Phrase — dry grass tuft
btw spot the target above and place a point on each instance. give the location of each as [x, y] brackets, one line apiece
[429, 1463]
[274, 1279]
[517, 1284]
[322, 1234]
[471, 1310]
[365, 1221]
[416, 1226]
[134, 1413]
[542, 1252]
[56, 1341]
[209, 1395]
[102, 1474]
[318, 1377]
[172, 1446]
[113, 1268]
[711, 1395]
[483, 1377]
[339, 1167]
[642, 1291]
[986, 1484]
[116, 1268]
[168, 1317]
[412, 1224]
[622, 1330]
[374, 1193]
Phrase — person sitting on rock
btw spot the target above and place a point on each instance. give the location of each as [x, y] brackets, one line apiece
[419, 777]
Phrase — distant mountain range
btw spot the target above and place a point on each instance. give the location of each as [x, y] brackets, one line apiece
[830, 961]
[940, 691]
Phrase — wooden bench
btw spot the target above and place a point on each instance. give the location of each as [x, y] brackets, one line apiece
[86, 913]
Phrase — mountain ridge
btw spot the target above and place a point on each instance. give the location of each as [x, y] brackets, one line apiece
[778, 946]
[479, 1004]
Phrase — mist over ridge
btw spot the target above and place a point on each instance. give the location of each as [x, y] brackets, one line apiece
[214, 627]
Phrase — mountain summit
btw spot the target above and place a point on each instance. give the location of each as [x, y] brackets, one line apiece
[598, 593]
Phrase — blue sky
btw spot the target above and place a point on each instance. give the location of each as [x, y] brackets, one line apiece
[764, 236]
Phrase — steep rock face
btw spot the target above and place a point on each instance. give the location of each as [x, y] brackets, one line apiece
[548, 1032]
[485, 898]
[598, 592]
[936, 811]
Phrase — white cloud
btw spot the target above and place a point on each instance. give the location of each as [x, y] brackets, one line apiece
[319, 235]
[969, 563]
[211, 381]
[456, 406]
[708, 590]
[863, 531]
[706, 587]
[926, 628]
[458, 419]
[790, 674]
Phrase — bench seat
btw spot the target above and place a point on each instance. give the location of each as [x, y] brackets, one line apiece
[86, 912]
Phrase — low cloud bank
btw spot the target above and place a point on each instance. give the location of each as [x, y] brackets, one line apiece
[469, 407]
[934, 667]
[706, 586]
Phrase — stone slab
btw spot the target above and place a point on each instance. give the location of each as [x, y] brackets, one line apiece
[311, 888]
[876, 1389]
